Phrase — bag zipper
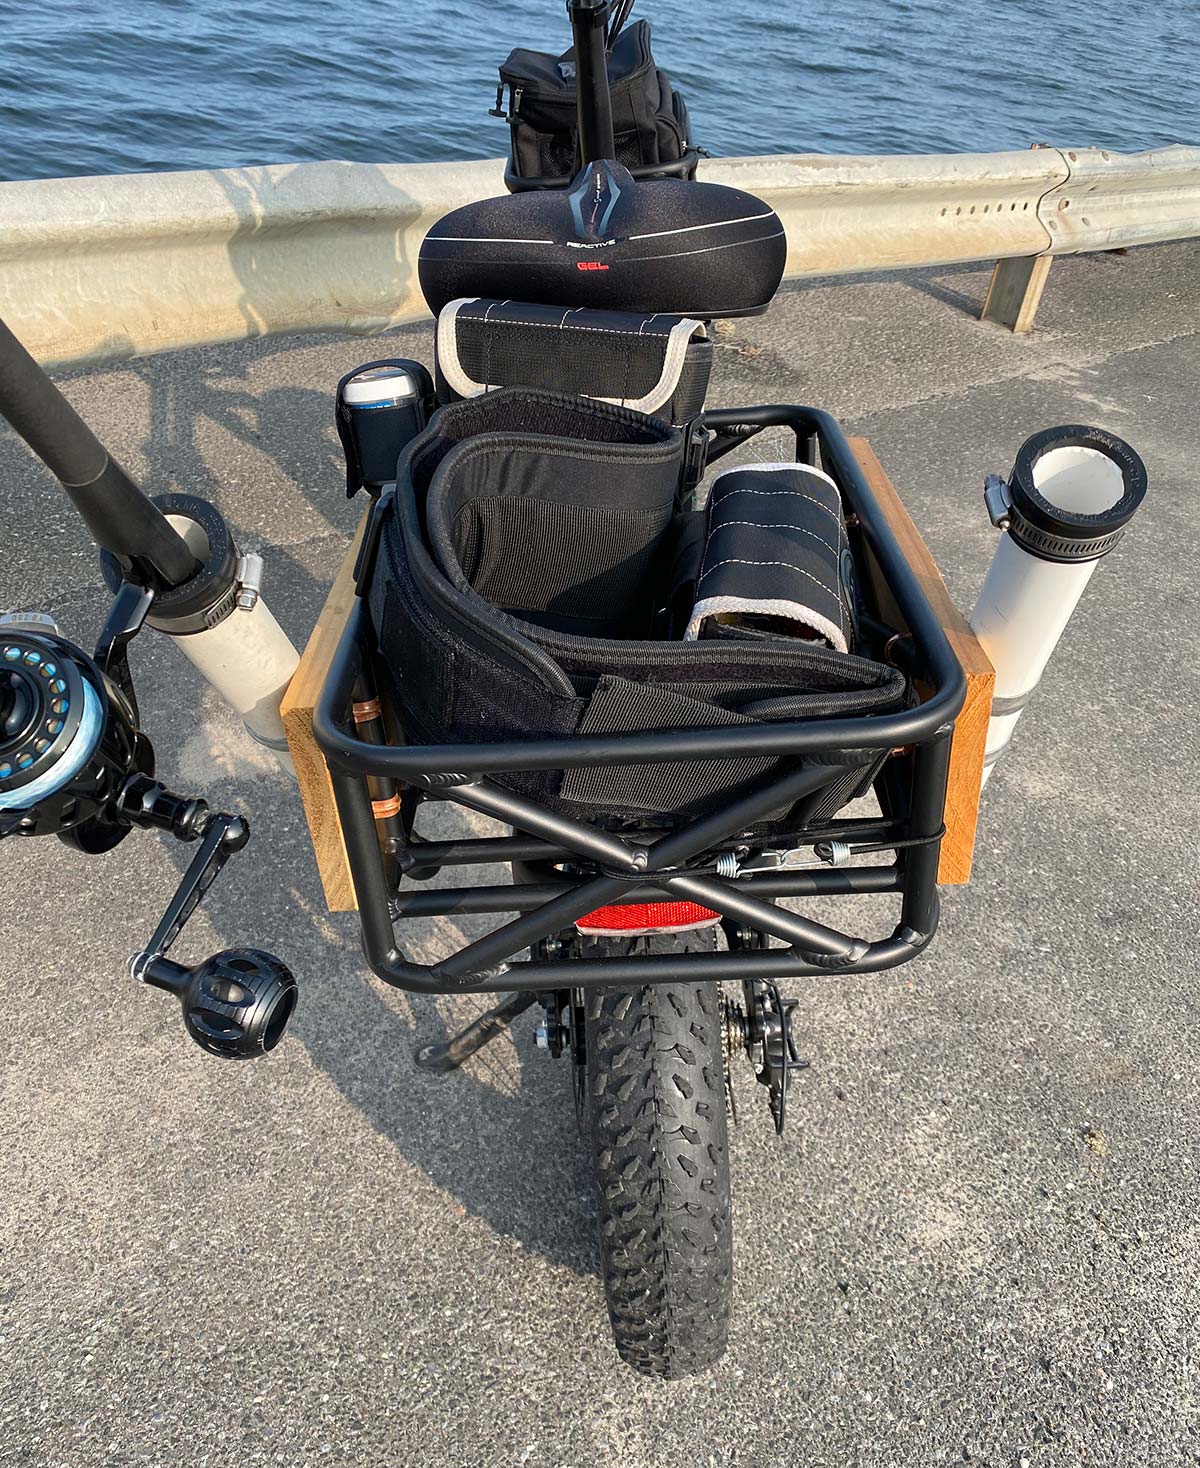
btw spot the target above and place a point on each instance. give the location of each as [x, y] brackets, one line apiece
[514, 104]
[560, 94]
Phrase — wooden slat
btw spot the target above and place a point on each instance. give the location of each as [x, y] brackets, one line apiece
[312, 774]
[970, 729]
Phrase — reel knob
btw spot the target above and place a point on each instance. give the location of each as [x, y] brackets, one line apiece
[236, 1004]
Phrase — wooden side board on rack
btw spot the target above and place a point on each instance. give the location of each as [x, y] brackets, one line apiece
[966, 755]
[970, 728]
[312, 774]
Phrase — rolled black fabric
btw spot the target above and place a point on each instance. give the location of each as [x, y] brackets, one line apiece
[656, 364]
[776, 556]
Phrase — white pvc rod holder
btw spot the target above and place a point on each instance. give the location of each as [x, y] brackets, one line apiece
[1070, 495]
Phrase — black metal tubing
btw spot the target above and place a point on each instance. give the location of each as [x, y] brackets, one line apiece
[434, 767]
[525, 896]
[639, 869]
[423, 854]
[589, 24]
[121, 518]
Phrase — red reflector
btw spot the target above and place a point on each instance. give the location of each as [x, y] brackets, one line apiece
[632, 918]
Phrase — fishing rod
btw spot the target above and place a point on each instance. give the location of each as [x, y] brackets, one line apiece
[207, 594]
[121, 518]
[74, 760]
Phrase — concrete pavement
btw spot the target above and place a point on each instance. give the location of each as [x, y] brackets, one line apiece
[978, 1241]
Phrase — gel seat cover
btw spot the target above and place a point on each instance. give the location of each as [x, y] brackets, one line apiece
[612, 243]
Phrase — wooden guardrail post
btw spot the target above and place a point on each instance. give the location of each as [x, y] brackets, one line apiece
[1015, 291]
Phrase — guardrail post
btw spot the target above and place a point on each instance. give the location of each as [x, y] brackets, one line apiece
[1015, 291]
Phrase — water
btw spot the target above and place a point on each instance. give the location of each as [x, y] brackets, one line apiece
[110, 86]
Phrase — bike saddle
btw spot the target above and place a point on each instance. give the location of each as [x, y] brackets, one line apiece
[611, 243]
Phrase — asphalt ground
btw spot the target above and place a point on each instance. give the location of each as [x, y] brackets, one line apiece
[977, 1242]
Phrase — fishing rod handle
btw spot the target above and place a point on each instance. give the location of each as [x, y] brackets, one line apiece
[121, 518]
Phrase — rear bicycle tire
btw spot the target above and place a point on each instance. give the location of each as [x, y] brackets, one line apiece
[660, 1165]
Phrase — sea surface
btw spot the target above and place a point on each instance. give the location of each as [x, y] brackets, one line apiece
[114, 86]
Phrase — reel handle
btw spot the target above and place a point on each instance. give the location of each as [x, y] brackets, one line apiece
[74, 763]
[237, 1004]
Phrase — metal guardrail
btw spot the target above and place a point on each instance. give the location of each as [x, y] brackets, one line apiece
[93, 269]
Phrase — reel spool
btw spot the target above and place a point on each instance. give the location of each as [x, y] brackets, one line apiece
[68, 737]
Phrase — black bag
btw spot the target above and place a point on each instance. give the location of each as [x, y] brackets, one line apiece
[519, 590]
[650, 120]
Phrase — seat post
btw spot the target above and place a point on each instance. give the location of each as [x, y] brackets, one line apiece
[589, 23]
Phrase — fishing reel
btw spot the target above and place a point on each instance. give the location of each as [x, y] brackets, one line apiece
[75, 763]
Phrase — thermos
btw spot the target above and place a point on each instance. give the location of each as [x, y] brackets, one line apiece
[1066, 504]
[381, 406]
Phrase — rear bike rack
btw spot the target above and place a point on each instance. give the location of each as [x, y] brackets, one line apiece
[683, 864]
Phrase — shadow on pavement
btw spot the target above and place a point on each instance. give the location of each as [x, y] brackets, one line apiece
[499, 1135]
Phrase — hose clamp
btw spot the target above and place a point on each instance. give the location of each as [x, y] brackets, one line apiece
[998, 500]
[249, 581]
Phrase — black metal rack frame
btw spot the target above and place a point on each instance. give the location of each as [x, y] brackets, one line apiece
[681, 865]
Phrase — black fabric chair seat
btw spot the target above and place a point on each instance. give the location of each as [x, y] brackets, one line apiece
[657, 364]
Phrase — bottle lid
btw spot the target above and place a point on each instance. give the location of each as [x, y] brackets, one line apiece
[379, 387]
